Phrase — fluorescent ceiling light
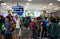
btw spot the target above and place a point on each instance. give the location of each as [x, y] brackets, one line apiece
[51, 4]
[47, 11]
[58, 0]
[29, 0]
[26, 6]
[27, 3]
[44, 6]
[3, 3]
[51, 9]
[40, 8]
[55, 8]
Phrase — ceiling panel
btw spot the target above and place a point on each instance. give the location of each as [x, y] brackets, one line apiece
[13, 1]
[34, 3]
[32, 0]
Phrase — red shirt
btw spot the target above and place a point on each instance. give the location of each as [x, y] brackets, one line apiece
[33, 25]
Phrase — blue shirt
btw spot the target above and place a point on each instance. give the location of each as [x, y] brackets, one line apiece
[45, 22]
[7, 26]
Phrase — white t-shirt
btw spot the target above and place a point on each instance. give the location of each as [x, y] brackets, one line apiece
[18, 23]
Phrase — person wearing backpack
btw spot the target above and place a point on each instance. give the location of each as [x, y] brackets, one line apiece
[53, 29]
[33, 28]
[26, 28]
[38, 24]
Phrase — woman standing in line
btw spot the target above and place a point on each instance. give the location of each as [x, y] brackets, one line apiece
[17, 28]
[8, 33]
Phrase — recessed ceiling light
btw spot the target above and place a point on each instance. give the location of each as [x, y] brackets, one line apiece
[51, 4]
[58, 0]
[27, 3]
[29, 0]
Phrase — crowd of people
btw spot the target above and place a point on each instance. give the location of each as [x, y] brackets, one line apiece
[14, 27]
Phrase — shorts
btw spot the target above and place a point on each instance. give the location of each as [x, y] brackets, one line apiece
[25, 33]
[17, 30]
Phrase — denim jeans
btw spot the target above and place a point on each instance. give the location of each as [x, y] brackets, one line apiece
[34, 34]
[44, 32]
[52, 38]
[8, 36]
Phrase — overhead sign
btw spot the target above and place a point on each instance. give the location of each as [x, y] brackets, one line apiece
[18, 10]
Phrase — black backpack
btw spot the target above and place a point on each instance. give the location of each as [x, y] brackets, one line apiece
[26, 23]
